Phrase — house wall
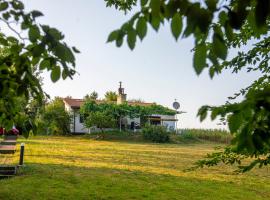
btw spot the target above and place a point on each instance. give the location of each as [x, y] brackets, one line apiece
[67, 107]
[79, 128]
[170, 125]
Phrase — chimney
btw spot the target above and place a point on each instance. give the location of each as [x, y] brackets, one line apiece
[122, 97]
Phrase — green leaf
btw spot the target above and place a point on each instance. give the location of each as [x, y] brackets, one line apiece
[36, 13]
[55, 74]
[12, 39]
[176, 25]
[119, 41]
[3, 6]
[212, 72]
[141, 27]
[219, 46]
[34, 34]
[45, 28]
[3, 41]
[214, 113]
[235, 121]
[37, 50]
[24, 25]
[131, 38]
[64, 73]
[113, 36]
[223, 17]
[155, 6]
[202, 113]
[143, 2]
[44, 64]
[261, 12]
[64, 53]
[57, 35]
[211, 4]
[35, 61]
[17, 5]
[199, 58]
[229, 32]
[6, 15]
[203, 21]
[75, 50]
[155, 22]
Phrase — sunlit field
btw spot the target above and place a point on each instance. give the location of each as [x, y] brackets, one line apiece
[83, 168]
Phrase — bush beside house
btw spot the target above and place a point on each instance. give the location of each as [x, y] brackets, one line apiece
[156, 133]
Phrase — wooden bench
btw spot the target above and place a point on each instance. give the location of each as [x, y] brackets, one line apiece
[10, 137]
[7, 149]
[8, 142]
[7, 171]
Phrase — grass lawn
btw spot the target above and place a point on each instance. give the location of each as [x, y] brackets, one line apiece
[83, 168]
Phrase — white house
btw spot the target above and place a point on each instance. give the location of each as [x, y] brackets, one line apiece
[76, 126]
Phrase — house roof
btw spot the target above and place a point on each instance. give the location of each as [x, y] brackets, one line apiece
[139, 103]
[76, 103]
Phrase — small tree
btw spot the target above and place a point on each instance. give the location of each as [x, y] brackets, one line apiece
[99, 119]
[111, 96]
[92, 96]
[30, 48]
[55, 119]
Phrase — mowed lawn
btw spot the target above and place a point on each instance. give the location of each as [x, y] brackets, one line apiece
[83, 168]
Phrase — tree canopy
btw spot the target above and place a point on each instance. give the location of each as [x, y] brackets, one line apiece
[30, 47]
[111, 96]
[99, 119]
[92, 96]
[53, 119]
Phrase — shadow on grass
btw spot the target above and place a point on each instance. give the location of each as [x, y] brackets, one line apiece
[43, 181]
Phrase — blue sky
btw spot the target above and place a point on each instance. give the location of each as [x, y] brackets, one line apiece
[158, 70]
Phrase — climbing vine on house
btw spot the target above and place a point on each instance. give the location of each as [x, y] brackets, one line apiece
[122, 110]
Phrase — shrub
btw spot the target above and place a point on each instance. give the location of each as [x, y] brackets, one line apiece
[54, 119]
[156, 133]
[214, 135]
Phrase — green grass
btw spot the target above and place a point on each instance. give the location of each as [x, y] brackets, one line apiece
[83, 168]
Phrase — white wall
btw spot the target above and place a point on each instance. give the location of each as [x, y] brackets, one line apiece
[79, 128]
[169, 124]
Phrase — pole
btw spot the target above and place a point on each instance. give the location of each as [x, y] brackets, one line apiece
[176, 130]
[21, 154]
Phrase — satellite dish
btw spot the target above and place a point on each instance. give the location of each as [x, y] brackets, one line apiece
[176, 105]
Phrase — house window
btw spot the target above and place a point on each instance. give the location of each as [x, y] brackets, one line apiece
[81, 118]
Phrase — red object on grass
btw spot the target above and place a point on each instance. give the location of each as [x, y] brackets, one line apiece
[2, 131]
[13, 131]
